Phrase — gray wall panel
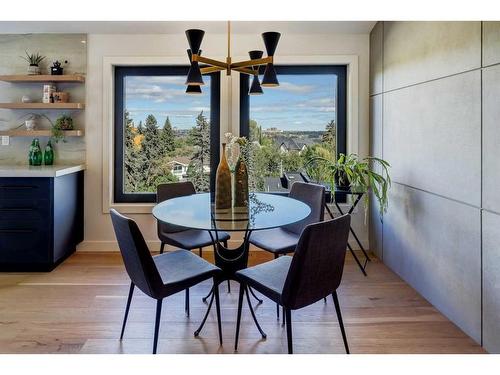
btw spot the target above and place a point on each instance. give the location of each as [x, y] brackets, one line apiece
[375, 230]
[432, 136]
[491, 43]
[434, 244]
[491, 282]
[415, 52]
[376, 43]
[491, 138]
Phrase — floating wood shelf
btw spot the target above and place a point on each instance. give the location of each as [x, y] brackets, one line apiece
[40, 133]
[76, 78]
[42, 105]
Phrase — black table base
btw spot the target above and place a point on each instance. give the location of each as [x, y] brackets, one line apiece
[362, 267]
[230, 261]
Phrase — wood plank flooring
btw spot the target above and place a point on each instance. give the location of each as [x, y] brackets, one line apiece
[78, 308]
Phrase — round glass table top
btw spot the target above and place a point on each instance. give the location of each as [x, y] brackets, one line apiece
[265, 211]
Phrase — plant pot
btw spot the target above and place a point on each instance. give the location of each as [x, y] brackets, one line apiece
[56, 71]
[33, 70]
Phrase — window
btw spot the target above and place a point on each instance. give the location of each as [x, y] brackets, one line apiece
[303, 117]
[163, 134]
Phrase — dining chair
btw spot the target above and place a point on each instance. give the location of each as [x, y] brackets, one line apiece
[180, 237]
[280, 241]
[162, 275]
[314, 272]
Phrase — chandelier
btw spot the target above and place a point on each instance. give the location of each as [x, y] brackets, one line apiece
[194, 79]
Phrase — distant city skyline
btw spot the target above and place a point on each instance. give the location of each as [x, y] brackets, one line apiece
[300, 103]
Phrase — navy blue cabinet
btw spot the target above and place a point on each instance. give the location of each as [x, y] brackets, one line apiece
[41, 221]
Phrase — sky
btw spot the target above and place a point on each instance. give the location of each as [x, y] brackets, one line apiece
[301, 102]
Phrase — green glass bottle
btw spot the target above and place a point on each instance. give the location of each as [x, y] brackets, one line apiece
[36, 156]
[48, 155]
[30, 153]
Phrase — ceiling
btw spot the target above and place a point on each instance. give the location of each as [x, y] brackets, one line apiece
[172, 27]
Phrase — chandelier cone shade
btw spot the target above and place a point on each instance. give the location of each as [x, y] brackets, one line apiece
[270, 79]
[194, 77]
[255, 88]
[271, 39]
[193, 90]
[194, 37]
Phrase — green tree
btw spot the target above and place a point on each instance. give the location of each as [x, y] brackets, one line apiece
[167, 137]
[199, 137]
[330, 135]
[255, 131]
[292, 161]
[132, 156]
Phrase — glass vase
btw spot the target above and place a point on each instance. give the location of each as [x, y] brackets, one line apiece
[240, 183]
[223, 183]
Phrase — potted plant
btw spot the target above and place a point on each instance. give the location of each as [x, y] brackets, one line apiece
[34, 61]
[62, 123]
[350, 173]
[56, 69]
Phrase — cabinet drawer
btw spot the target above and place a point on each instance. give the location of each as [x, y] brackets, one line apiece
[25, 209]
[29, 188]
[29, 243]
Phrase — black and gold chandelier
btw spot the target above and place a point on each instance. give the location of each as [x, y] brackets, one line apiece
[194, 79]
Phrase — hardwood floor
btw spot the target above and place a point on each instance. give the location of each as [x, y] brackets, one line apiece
[78, 308]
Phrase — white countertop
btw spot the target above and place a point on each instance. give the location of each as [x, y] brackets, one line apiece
[39, 171]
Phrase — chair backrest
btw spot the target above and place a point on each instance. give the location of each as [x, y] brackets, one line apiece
[318, 263]
[314, 196]
[169, 191]
[136, 256]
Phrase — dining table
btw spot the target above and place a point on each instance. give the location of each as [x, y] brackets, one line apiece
[264, 211]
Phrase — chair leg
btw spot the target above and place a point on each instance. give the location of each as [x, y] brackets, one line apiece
[217, 308]
[339, 317]
[277, 306]
[131, 291]
[228, 286]
[200, 252]
[283, 312]
[186, 302]
[162, 247]
[238, 319]
[289, 330]
[157, 324]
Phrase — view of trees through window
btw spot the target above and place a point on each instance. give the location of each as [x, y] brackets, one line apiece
[290, 124]
[166, 133]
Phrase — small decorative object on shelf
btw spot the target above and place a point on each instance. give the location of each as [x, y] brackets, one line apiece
[31, 123]
[48, 155]
[48, 93]
[60, 97]
[26, 99]
[223, 183]
[32, 120]
[63, 122]
[34, 61]
[56, 69]
[35, 153]
[241, 178]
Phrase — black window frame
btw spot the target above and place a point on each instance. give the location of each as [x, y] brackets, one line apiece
[120, 72]
[341, 106]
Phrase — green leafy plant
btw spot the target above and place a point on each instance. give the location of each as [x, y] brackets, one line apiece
[33, 59]
[62, 123]
[358, 175]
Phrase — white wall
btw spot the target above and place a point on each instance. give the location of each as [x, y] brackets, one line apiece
[98, 230]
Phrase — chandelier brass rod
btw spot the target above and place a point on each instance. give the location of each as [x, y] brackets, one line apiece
[208, 61]
[211, 69]
[247, 63]
[247, 71]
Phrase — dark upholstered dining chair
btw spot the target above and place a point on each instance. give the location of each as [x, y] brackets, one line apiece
[280, 241]
[313, 273]
[183, 238]
[162, 275]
